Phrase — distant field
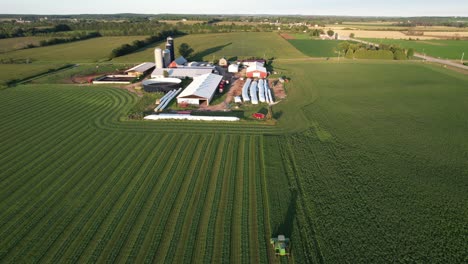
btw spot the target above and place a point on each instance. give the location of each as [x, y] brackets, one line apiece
[239, 44]
[315, 47]
[446, 49]
[10, 72]
[11, 44]
[91, 50]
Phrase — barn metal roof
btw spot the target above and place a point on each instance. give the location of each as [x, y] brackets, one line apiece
[256, 67]
[182, 72]
[202, 87]
[142, 67]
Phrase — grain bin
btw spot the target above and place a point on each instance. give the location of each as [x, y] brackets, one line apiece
[158, 57]
[167, 57]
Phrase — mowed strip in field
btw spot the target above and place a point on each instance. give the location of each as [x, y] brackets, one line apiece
[230, 45]
[73, 192]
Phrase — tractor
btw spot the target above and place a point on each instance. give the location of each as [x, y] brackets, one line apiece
[281, 245]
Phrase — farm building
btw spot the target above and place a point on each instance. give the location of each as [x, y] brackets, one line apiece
[181, 61]
[223, 62]
[253, 62]
[141, 69]
[233, 68]
[182, 73]
[257, 71]
[201, 90]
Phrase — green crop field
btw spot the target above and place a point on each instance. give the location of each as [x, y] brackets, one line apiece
[229, 45]
[445, 49]
[10, 44]
[366, 164]
[315, 47]
[9, 72]
[90, 50]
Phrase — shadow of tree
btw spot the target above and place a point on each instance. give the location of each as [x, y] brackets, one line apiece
[199, 55]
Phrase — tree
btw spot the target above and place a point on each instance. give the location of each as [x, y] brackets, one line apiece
[165, 74]
[330, 33]
[349, 54]
[351, 35]
[185, 50]
[270, 113]
[410, 53]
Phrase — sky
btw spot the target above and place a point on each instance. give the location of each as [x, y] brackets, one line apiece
[301, 7]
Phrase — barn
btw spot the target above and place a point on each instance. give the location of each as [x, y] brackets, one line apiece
[141, 69]
[256, 71]
[201, 90]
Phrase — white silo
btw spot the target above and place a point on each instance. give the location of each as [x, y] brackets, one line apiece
[167, 57]
[158, 57]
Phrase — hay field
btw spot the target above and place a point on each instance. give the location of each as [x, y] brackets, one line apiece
[214, 46]
[10, 44]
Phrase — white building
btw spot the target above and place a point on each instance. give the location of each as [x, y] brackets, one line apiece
[182, 73]
[201, 90]
[233, 68]
[140, 69]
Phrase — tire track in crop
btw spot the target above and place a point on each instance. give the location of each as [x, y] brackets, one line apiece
[167, 202]
[237, 226]
[110, 195]
[252, 205]
[200, 202]
[223, 221]
[121, 224]
[214, 215]
[50, 199]
[194, 207]
[87, 209]
[209, 202]
[65, 219]
[105, 202]
[166, 250]
[245, 234]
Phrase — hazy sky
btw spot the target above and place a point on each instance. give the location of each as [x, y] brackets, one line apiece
[304, 7]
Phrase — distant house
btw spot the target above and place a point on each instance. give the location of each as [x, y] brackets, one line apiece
[223, 62]
[201, 90]
[257, 71]
[233, 68]
[141, 69]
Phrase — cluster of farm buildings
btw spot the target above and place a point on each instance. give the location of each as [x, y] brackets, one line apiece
[167, 72]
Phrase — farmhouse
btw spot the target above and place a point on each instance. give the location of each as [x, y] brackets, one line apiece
[141, 69]
[201, 90]
[257, 71]
[223, 62]
[182, 73]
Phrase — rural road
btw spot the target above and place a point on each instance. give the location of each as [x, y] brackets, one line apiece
[422, 56]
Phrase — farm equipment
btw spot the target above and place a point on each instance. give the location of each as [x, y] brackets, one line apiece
[258, 116]
[280, 245]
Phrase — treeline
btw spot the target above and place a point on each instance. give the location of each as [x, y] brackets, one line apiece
[11, 30]
[381, 52]
[55, 41]
[138, 44]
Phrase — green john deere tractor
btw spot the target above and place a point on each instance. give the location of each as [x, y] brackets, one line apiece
[281, 245]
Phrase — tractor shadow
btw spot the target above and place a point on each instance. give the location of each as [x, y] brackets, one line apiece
[286, 227]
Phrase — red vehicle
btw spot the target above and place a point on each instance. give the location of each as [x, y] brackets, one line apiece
[258, 116]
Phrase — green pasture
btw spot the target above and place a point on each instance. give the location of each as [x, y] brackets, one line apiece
[10, 44]
[445, 49]
[236, 45]
[316, 47]
[10, 72]
[91, 50]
